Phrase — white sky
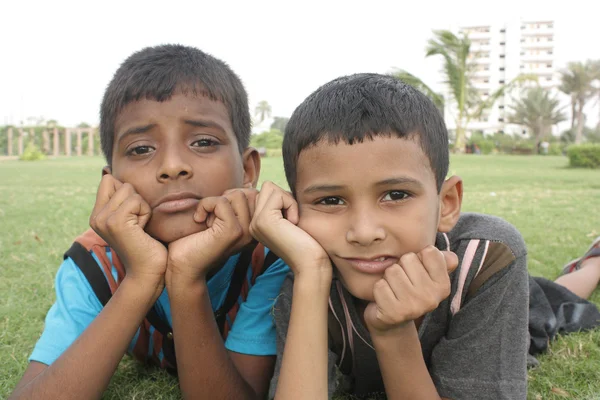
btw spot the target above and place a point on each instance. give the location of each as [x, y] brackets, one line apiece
[57, 56]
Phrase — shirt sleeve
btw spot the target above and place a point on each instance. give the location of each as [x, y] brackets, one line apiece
[75, 308]
[253, 331]
[282, 312]
[484, 352]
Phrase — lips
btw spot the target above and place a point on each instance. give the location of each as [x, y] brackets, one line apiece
[372, 265]
[177, 202]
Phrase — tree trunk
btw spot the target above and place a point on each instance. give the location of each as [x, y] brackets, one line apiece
[573, 112]
[9, 144]
[579, 132]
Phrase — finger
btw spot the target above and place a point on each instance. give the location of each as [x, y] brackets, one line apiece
[284, 204]
[265, 193]
[398, 280]
[239, 204]
[451, 261]
[384, 297]
[122, 194]
[413, 268]
[220, 207]
[107, 188]
[435, 264]
[135, 209]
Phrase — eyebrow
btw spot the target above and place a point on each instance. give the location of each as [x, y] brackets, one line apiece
[204, 124]
[136, 130]
[385, 182]
[399, 181]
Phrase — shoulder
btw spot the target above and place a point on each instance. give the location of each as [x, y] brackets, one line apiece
[473, 226]
[488, 248]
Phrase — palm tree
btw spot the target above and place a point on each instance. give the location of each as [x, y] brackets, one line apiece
[538, 111]
[576, 81]
[263, 110]
[458, 70]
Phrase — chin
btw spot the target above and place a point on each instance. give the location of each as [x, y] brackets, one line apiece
[359, 287]
[172, 231]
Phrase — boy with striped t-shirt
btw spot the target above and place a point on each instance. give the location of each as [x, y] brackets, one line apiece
[169, 267]
[394, 289]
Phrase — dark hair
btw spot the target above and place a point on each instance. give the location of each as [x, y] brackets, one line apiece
[157, 72]
[362, 106]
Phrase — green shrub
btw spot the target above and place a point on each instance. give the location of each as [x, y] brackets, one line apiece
[556, 149]
[272, 139]
[32, 153]
[584, 155]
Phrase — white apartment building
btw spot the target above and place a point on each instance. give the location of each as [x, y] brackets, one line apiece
[501, 52]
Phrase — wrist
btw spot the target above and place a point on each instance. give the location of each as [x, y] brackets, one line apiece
[404, 330]
[184, 284]
[143, 289]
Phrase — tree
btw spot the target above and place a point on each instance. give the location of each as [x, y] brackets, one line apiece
[280, 123]
[84, 125]
[262, 110]
[538, 111]
[576, 81]
[458, 70]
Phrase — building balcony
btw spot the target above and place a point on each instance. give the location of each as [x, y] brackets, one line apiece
[545, 45]
[541, 57]
[479, 35]
[541, 71]
[541, 31]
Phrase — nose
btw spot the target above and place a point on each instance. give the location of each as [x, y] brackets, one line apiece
[366, 227]
[174, 165]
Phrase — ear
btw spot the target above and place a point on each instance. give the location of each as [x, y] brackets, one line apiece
[450, 203]
[251, 163]
[106, 170]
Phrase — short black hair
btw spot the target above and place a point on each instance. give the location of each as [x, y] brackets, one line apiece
[363, 106]
[156, 73]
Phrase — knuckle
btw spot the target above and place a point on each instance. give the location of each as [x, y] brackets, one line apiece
[407, 258]
[392, 272]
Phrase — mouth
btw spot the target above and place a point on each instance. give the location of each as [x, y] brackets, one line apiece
[372, 265]
[177, 202]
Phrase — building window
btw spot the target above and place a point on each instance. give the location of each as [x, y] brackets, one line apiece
[550, 26]
[502, 43]
[486, 68]
[549, 51]
[501, 68]
[522, 26]
[548, 78]
[486, 81]
[522, 53]
[501, 81]
[501, 107]
[486, 94]
[501, 55]
[500, 119]
[521, 66]
[549, 65]
[502, 30]
[522, 40]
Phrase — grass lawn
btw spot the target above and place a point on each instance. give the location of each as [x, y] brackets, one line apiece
[44, 205]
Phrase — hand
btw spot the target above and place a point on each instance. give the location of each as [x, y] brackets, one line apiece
[410, 289]
[119, 217]
[227, 219]
[275, 225]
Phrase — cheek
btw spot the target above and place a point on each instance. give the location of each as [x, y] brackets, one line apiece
[320, 228]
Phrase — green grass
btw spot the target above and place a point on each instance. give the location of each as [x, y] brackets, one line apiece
[45, 204]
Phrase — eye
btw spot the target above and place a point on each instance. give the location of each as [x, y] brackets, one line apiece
[396, 195]
[204, 142]
[331, 201]
[140, 150]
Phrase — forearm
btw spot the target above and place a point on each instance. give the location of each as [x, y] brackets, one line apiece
[204, 367]
[84, 370]
[403, 368]
[304, 366]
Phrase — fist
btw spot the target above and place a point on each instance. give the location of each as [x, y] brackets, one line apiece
[410, 289]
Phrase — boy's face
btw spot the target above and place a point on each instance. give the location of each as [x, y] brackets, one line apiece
[368, 204]
[176, 152]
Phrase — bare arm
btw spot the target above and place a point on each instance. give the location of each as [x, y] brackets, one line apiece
[84, 370]
[403, 369]
[205, 368]
[304, 366]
